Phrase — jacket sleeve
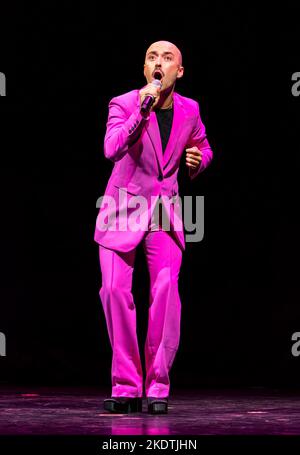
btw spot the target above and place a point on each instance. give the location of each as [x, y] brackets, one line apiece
[198, 139]
[122, 130]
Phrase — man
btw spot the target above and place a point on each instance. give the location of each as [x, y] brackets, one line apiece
[146, 148]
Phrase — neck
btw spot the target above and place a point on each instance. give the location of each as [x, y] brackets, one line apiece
[166, 99]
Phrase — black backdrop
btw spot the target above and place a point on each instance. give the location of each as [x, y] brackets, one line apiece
[239, 286]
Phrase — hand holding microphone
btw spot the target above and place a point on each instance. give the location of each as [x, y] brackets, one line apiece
[149, 96]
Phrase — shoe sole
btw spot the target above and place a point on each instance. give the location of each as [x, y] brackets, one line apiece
[123, 408]
[158, 408]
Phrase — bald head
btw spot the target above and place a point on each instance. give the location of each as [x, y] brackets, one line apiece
[163, 58]
[168, 46]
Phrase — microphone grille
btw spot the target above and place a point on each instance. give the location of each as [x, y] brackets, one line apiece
[157, 82]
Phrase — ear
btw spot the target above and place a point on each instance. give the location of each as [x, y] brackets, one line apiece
[180, 72]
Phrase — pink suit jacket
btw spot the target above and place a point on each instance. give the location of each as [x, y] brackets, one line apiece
[141, 168]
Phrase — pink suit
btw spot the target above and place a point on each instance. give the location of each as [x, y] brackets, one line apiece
[141, 168]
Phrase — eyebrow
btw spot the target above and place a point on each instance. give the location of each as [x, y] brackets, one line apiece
[164, 53]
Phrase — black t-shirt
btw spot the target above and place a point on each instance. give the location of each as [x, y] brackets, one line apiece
[165, 119]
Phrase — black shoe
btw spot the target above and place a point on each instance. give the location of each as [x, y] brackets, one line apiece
[123, 405]
[157, 405]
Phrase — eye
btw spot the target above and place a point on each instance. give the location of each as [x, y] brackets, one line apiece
[168, 58]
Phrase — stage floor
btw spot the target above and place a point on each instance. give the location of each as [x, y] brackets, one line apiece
[78, 411]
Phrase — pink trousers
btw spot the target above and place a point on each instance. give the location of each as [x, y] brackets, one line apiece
[163, 257]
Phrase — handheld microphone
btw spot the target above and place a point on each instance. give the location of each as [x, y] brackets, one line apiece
[149, 99]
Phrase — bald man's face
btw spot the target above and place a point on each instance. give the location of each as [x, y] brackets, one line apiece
[163, 58]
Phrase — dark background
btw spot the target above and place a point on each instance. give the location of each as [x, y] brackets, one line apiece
[240, 285]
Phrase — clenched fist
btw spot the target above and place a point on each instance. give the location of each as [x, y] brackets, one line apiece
[193, 157]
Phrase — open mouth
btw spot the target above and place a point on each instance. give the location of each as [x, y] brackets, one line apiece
[157, 74]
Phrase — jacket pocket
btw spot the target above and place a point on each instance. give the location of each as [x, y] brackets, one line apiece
[130, 188]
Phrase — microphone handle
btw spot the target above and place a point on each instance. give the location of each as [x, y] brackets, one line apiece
[147, 103]
[149, 99]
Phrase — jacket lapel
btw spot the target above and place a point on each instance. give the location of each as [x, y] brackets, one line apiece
[178, 121]
[154, 134]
